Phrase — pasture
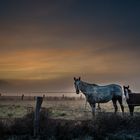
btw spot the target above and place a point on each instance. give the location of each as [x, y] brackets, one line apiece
[59, 108]
[67, 118]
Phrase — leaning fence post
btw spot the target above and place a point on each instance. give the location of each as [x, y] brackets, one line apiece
[39, 101]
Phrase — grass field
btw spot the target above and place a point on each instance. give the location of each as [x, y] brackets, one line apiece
[67, 119]
[61, 109]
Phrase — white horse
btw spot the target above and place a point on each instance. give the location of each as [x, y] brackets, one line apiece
[100, 94]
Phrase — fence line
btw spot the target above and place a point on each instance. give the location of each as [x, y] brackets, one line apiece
[49, 98]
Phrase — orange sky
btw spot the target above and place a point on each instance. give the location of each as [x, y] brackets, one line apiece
[99, 60]
[54, 63]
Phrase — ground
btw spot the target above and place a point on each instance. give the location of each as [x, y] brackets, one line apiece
[66, 118]
[69, 108]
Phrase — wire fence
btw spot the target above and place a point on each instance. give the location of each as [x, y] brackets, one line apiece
[56, 96]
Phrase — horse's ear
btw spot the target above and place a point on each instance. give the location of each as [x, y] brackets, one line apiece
[74, 79]
[128, 86]
[79, 78]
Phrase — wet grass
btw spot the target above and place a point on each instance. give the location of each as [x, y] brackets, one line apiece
[12, 111]
[61, 109]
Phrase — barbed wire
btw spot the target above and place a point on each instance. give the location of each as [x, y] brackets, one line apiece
[53, 92]
[54, 98]
[46, 91]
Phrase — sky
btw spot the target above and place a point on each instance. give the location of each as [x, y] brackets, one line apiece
[45, 43]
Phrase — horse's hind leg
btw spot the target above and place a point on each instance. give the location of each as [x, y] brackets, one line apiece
[99, 108]
[115, 105]
[120, 102]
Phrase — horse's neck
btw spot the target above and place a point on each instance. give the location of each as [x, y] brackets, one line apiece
[84, 88]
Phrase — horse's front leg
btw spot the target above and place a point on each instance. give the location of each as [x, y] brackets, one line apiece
[93, 107]
[131, 109]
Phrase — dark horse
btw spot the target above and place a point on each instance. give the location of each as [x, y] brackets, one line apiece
[132, 99]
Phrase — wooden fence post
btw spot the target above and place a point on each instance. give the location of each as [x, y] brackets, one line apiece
[22, 96]
[39, 101]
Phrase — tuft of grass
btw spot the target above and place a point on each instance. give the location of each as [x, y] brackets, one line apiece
[10, 115]
[13, 111]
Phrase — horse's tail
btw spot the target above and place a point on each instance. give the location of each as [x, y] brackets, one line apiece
[123, 96]
[121, 93]
[85, 104]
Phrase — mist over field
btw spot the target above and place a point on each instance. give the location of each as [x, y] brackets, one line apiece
[60, 86]
[37, 87]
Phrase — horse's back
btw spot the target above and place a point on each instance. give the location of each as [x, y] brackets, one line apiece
[114, 89]
[110, 85]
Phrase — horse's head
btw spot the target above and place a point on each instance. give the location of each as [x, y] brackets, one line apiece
[76, 84]
[126, 91]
